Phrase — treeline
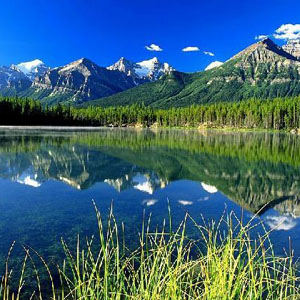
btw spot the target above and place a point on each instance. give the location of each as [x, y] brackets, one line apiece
[14, 111]
[281, 113]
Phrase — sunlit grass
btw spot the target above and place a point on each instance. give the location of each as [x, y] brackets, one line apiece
[222, 264]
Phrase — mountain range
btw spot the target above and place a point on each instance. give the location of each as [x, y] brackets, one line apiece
[122, 159]
[78, 81]
[262, 70]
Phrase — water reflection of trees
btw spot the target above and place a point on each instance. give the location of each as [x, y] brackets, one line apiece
[253, 169]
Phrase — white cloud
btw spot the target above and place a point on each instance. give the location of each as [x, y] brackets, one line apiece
[261, 37]
[214, 64]
[149, 202]
[203, 199]
[190, 49]
[153, 47]
[209, 53]
[281, 222]
[185, 202]
[209, 188]
[288, 32]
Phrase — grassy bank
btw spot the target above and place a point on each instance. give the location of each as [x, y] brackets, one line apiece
[166, 265]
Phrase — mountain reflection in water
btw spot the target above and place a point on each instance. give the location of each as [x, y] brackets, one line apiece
[202, 172]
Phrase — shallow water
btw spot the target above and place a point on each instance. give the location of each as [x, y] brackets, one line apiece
[49, 179]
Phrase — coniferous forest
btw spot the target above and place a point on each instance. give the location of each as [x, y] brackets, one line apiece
[281, 113]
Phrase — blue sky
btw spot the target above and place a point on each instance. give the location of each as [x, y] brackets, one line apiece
[60, 31]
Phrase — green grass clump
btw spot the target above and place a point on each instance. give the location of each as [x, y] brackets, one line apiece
[222, 264]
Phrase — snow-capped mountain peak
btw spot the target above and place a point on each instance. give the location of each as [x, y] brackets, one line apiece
[147, 70]
[150, 62]
[124, 65]
[79, 63]
[152, 68]
[31, 68]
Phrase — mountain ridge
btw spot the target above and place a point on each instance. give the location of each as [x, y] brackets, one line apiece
[262, 70]
[78, 81]
[267, 44]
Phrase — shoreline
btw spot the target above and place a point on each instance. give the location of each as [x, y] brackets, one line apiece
[50, 128]
[98, 128]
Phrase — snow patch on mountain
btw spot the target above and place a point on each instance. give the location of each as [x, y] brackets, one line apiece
[143, 184]
[209, 188]
[152, 68]
[29, 180]
[147, 70]
[213, 65]
[32, 68]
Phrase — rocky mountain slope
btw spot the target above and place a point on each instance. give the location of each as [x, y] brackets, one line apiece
[263, 70]
[12, 81]
[78, 81]
[293, 48]
[17, 78]
[144, 71]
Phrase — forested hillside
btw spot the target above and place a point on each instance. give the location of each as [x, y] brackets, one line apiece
[263, 71]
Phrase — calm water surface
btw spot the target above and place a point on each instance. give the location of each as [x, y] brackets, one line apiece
[48, 180]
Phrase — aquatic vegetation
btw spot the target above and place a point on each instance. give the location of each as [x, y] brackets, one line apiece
[228, 264]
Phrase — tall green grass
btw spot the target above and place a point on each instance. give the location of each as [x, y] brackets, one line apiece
[167, 265]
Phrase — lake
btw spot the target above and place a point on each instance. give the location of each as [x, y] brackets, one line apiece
[49, 178]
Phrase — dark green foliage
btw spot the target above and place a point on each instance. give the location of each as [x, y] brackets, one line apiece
[14, 111]
[279, 113]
